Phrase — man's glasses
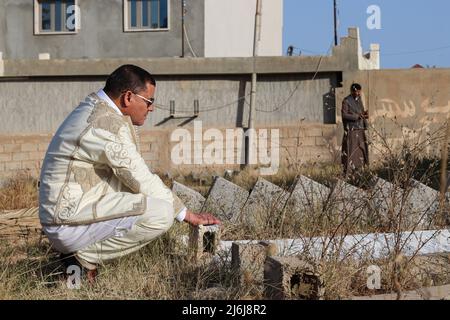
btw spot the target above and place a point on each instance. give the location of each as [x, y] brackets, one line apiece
[149, 101]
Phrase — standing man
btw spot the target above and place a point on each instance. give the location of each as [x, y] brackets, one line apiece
[98, 199]
[355, 151]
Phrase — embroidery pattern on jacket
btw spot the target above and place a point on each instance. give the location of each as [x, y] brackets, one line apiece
[88, 178]
[68, 205]
[117, 154]
[127, 177]
[104, 118]
[138, 207]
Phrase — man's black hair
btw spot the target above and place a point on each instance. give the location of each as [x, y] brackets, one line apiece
[128, 77]
[355, 87]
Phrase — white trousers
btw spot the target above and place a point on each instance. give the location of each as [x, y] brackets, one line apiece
[112, 239]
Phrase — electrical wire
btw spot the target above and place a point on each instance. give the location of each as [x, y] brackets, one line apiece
[298, 85]
[189, 42]
[215, 108]
[207, 109]
[415, 52]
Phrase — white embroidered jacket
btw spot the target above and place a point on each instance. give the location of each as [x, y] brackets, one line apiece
[93, 170]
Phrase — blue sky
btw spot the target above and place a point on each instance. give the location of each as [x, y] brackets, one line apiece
[414, 31]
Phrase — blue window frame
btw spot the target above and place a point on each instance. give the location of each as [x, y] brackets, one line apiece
[133, 13]
[147, 14]
[46, 22]
[58, 20]
[164, 15]
[155, 14]
[54, 15]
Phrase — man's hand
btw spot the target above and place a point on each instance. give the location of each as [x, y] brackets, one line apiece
[205, 219]
[365, 115]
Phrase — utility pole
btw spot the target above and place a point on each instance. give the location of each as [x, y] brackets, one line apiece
[183, 14]
[335, 24]
[257, 37]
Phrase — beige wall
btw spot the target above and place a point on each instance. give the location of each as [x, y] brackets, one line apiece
[404, 105]
[229, 28]
[298, 145]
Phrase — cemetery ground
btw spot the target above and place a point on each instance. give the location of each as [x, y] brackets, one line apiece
[305, 233]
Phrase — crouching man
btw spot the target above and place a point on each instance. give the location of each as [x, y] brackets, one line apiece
[98, 199]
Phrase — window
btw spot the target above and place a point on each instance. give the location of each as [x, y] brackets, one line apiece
[146, 15]
[56, 16]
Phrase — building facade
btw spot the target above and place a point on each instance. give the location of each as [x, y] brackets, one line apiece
[102, 29]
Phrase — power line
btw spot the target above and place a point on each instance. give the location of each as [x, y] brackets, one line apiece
[298, 85]
[415, 52]
[307, 50]
[207, 109]
[277, 108]
[189, 42]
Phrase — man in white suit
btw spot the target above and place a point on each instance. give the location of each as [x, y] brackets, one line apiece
[98, 199]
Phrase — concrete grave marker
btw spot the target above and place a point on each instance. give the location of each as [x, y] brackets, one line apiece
[291, 278]
[348, 200]
[386, 200]
[191, 198]
[266, 201]
[308, 195]
[423, 203]
[225, 200]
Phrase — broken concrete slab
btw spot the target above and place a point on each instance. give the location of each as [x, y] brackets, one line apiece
[225, 200]
[308, 195]
[265, 203]
[363, 246]
[203, 241]
[191, 198]
[291, 278]
[247, 261]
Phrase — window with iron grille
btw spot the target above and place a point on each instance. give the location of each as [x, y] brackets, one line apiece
[142, 15]
[56, 16]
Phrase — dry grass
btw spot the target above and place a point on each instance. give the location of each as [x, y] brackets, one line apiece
[18, 192]
[29, 268]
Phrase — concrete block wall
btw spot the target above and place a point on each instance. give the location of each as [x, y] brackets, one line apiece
[22, 153]
[298, 144]
[155, 148]
[309, 142]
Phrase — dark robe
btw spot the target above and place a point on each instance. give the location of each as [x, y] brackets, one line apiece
[355, 151]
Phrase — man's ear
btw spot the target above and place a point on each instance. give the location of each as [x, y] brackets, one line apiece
[126, 99]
